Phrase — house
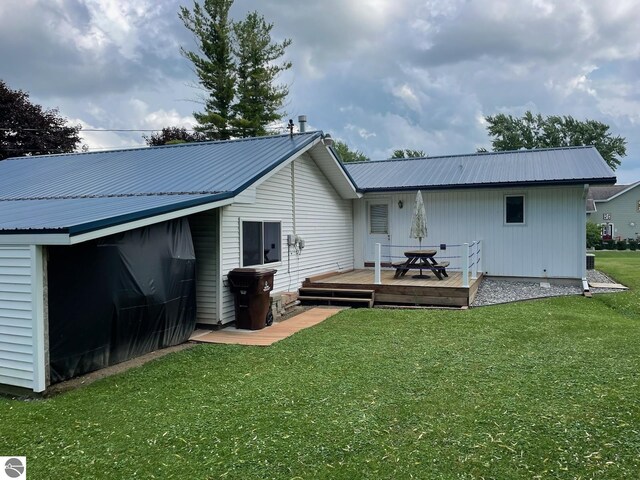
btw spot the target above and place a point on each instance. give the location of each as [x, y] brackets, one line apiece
[68, 217]
[617, 209]
[148, 235]
[526, 206]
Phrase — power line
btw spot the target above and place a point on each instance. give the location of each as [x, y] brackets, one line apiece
[61, 150]
[273, 128]
[92, 129]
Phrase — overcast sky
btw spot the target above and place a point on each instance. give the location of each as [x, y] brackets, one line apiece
[378, 74]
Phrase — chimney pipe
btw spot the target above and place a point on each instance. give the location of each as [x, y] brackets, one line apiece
[302, 119]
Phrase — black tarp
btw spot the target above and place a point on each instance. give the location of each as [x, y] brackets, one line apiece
[119, 297]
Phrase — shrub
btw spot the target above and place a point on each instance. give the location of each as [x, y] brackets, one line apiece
[633, 244]
[598, 246]
[593, 235]
[621, 244]
[609, 244]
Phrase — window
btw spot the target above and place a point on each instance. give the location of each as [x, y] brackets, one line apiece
[261, 243]
[379, 219]
[514, 209]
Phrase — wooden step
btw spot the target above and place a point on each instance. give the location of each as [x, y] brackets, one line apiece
[368, 302]
[342, 292]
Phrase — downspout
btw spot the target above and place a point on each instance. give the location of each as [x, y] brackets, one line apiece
[583, 250]
[293, 216]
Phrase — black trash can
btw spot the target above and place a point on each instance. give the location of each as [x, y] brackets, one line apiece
[591, 261]
[251, 288]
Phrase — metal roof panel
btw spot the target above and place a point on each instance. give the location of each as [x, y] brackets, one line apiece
[539, 166]
[75, 215]
[191, 167]
[74, 192]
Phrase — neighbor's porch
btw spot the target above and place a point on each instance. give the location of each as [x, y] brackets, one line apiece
[406, 290]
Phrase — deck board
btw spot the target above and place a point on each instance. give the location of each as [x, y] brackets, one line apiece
[269, 335]
[405, 290]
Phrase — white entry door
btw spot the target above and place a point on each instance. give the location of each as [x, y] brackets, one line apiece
[378, 229]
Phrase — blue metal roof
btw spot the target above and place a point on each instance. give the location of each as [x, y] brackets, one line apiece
[81, 192]
[78, 215]
[569, 165]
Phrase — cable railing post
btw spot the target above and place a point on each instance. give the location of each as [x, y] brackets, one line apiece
[465, 265]
[479, 257]
[376, 279]
[474, 260]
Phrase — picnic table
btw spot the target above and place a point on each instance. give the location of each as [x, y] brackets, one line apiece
[421, 259]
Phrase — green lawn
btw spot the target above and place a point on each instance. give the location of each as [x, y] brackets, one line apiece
[540, 389]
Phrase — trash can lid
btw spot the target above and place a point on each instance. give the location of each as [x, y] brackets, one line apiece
[251, 272]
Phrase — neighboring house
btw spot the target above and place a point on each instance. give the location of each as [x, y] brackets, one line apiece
[526, 206]
[616, 209]
[242, 199]
[248, 203]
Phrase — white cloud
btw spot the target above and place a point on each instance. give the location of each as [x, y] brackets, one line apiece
[405, 93]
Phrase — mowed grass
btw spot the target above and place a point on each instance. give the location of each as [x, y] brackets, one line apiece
[540, 389]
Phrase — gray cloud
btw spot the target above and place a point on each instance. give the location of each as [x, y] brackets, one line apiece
[379, 74]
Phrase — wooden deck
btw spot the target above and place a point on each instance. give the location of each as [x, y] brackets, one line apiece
[403, 291]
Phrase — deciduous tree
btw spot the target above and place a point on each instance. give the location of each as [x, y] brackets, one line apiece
[347, 155]
[28, 129]
[173, 135]
[408, 153]
[536, 131]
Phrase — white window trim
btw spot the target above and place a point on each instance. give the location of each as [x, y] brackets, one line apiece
[524, 210]
[260, 220]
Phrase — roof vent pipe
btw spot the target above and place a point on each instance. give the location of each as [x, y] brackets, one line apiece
[302, 119]
[327, 140]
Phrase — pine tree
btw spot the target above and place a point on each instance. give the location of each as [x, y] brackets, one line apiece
[259, 99]
[214, 65]
[236, 66]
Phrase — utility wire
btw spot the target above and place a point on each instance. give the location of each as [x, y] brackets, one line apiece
[282, 128]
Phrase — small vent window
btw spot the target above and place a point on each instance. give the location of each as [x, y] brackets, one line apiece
[379, 219]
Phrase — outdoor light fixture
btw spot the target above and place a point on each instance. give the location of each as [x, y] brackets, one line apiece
[400, 204]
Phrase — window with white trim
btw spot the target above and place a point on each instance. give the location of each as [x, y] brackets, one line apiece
[514, 209]
[261, 242]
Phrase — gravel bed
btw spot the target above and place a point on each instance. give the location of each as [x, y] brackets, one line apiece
[492, 291]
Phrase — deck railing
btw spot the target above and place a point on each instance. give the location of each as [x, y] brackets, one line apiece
[464, 257]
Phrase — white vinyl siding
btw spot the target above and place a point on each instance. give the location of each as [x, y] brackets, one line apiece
[550, 243]
[204, 231]
[22, 362]
[323, 220]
